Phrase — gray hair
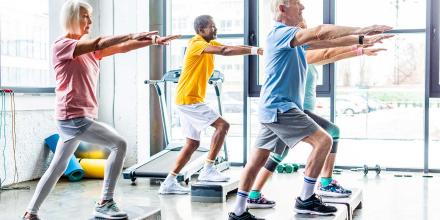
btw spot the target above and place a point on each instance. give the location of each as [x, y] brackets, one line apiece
[70, 15]
[201, 22]
[275, 7]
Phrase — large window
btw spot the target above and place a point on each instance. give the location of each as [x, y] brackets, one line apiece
[229, 18]
[376, 95]
[25, 44]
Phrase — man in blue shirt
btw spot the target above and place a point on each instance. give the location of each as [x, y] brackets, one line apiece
[281, 102]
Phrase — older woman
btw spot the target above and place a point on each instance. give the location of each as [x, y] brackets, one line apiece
[75, 61]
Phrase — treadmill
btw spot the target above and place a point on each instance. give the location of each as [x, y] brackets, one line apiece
[159, 165]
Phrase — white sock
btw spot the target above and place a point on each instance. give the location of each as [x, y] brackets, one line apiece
[240, 202]
[208, 164]
[170, 178]
[308, 188]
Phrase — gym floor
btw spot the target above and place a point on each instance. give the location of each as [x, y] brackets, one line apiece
[385, 197]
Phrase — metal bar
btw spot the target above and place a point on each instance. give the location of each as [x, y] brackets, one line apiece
[428, 70]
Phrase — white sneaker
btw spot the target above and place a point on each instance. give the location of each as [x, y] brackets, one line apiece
[109, 210]
[173, 187]
[212, 175]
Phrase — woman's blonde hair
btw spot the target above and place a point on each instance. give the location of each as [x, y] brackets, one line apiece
[275, 7]
[70, 15]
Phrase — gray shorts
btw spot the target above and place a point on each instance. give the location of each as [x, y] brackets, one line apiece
[292, 127]
[71, 128]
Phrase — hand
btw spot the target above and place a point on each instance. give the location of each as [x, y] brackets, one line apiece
[260, 51]
[143, 35]
[373, 51]
[370, 41]
[166, 40]
[373, 30]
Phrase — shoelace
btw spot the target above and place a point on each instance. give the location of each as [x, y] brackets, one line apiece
[113, 207]
[320, 200]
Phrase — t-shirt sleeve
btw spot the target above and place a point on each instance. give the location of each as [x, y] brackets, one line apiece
[63, 49]
[284, 36]
[216, 43]
[197, 47]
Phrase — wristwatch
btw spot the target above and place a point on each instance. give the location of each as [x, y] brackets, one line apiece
[361, 39]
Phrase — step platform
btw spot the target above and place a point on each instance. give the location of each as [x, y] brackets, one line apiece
[352, 203]
[213, 192]
[139, 213]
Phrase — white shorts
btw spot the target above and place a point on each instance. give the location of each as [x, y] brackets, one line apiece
[195, 118]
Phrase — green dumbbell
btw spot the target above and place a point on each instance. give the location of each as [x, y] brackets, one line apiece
[288, 168]
[295, 167]
[280, 168]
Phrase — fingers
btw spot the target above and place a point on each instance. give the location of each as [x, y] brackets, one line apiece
[377, 29]
[151, 33]
[166, 40]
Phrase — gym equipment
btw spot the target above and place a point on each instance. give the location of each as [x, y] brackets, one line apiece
[213, 191]
[287, 168]
[93, 168]
[337, 171]
[137, 212]
[365, 169]
[91, 151]
[376, 168]
[160, 164]
[280, 168]
[352, 203]
[74, 171]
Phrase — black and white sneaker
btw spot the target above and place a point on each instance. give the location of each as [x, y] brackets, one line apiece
[314, 206]
[245, 216]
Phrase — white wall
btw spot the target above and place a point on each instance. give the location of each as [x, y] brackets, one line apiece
[122, 75]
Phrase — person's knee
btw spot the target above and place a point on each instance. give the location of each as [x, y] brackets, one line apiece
[121, 145]
[323, 141]
[193, 144]
[327, 142]
[225, 126]
[271, 164]
[335, 132]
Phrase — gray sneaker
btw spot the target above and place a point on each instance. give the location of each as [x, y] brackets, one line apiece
[109, 210]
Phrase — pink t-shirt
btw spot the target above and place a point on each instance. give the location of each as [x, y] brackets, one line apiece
[76, 81]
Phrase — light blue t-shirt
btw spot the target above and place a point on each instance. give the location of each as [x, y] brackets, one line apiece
[285, 69]
[310, 93]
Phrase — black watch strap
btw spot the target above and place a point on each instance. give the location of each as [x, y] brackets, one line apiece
[361, 39]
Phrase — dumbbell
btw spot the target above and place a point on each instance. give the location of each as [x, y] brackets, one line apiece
[295, 167]
[288, 168]
[280, 168]
[376, 168]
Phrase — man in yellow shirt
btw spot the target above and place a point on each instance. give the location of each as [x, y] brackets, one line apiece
[195, 114]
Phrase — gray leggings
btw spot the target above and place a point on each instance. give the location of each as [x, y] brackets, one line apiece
[97, 133]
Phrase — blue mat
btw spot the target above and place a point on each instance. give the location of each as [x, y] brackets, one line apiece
[74, 170]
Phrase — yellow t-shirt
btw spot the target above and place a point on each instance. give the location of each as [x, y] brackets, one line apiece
[196, 71]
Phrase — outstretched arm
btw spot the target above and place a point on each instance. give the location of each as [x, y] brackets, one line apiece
[233, 50]
[101, 43]
[316, 56]
[348, 41]
[330, 32]
[359, 52]
[136, 44]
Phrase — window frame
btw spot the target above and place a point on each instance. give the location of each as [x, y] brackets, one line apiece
[433, 48]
